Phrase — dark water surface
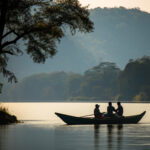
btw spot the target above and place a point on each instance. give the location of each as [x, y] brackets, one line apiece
[42, 130]
[40, 135]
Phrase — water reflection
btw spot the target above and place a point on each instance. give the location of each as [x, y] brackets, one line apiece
[3, 134]
[114, 136]
[63, 137]
[120, 136]
[96, 136]
[110, 135]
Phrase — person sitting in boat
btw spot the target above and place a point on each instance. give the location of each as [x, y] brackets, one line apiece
[119, 110]
[97, 112]
[110, 110]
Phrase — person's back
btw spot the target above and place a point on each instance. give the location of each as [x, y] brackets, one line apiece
[97, 113]
[110, 110]
[119, 109]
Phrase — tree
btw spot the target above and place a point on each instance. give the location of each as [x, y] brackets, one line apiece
[39, 25]
[73, 84]
[101, 81]
[1, 87]
[134, 81]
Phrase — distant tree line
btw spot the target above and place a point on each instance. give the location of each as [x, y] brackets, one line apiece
[103, 82]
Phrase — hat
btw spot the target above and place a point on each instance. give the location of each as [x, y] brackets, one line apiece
[97, 105]
[118, 103]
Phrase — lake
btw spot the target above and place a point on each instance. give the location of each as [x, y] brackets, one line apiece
[42, 130]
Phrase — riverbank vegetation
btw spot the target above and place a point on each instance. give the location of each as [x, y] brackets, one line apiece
[6, 117]
[101, 83]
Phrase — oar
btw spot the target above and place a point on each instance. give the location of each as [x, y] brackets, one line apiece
[87, 115]
[91, 115]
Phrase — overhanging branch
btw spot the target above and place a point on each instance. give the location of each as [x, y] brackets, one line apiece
[7, 34]
[18, 37]
[6, 52]
[14, 41]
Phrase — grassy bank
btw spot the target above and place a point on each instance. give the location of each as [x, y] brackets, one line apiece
[6, 117]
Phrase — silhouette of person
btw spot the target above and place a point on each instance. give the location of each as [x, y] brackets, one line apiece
[97, 112]
[110, 110]
[119, 110]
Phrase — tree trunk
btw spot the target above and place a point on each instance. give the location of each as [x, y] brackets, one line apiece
[3, 20]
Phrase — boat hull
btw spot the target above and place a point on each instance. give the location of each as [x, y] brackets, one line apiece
[72, 120]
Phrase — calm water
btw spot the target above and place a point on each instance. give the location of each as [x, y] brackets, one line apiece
[42, 130]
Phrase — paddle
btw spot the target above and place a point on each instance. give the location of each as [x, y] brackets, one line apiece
[87, 115]
[90, 115]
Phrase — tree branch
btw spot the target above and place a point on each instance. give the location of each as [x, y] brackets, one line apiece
[18, 37]
[14, 41]
[7, 34]
[6, 52]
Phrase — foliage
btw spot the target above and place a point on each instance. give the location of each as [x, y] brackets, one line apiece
[98, 83]
[134, 81]
[103, 82]
[6, 117]
[111, 41]
[73, 85]
[40, 24]
[4, 109]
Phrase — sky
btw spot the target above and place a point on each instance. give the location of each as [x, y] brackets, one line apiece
[144, 5]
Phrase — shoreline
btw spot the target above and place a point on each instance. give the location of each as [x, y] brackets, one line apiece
[6, 118]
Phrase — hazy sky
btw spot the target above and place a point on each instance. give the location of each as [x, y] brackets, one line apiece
[142, 4]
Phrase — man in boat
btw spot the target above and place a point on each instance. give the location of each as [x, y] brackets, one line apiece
[97, 112]
[110, 110]
[119, 110]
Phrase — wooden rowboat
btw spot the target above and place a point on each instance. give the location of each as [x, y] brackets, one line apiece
[72, 120]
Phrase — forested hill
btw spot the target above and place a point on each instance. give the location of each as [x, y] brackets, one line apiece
[120, 34]
[103, 82]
